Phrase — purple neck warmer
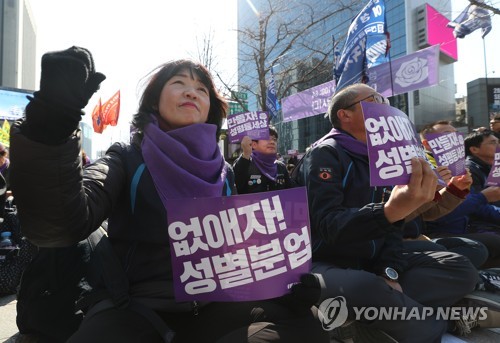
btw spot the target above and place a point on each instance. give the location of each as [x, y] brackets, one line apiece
[184, 162]
[346, 141]
[266, 163]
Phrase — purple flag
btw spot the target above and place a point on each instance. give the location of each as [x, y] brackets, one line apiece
[252, 124]
[308, 103]
[448, 150]
[494, 176]
[392, 141]
[239, 248]
[411, 72]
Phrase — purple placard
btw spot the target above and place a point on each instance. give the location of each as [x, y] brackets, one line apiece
[253, 124]
[448, 150]
[308, 103]
[409, 73]
[494, 176]
[392, 141]
[239, 248]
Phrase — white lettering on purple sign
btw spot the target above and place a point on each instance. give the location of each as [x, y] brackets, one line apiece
[253, 263]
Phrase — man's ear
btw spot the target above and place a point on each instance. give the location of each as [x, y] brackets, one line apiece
[344, 115]
[254, 144]
[473, 150]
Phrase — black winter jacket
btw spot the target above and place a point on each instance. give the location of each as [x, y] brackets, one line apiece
[249, 178]
[349, 228]
[60, 204]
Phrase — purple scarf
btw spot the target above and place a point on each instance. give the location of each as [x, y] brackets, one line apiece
[266, 163]
[346, 141]
[184, 162]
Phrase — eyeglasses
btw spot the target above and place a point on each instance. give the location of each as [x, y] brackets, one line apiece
[377, 98]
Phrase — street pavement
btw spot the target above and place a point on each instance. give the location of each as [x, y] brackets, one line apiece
[8, 328]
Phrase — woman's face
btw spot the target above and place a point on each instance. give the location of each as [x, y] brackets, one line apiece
[184, 100]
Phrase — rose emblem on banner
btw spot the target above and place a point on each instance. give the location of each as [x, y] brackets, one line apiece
[412, 72]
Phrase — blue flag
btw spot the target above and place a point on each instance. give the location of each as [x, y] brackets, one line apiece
[366, 45]
[472, 18]
[271, 99]
[336, 57]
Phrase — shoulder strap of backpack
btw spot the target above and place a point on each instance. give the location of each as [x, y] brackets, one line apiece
[133, 184]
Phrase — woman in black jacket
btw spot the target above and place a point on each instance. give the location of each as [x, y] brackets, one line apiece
[174, 154]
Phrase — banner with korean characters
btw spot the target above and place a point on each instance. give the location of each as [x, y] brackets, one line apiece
[310, 102]
[448, 150]
[253, 124]
[494, 176]
[239, 248]
[392, 142]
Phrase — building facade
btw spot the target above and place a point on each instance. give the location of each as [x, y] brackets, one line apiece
[422, 106]
[18, 45]
[483, 103]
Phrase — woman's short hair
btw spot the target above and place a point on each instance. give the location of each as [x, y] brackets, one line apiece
[150, 98]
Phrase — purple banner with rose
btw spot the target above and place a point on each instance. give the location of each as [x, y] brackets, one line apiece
[392, 141]
[409, 73]
[494, 176]
[448, 150]
[239, 248]
[253, 124]
[308, 103]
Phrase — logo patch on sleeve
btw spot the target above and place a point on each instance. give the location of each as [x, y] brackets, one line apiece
[325, 174]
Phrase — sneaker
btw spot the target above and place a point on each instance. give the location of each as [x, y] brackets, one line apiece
[464, 326]
[489, 317]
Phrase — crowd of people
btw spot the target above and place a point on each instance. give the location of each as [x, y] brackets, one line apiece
[408, 246]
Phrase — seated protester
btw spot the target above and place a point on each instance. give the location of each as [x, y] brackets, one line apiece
[479, 213]
[258, 169]
[357, 229]
[4, 164]
[174, 154]
[445, 200]
[440, 126]
[495, 125]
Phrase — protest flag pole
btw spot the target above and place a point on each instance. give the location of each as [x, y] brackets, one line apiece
[486, 83]
[390, 72]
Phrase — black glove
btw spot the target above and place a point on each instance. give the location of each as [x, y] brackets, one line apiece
[308, 291]
[303, 295]
[69, 78]
[67, 83]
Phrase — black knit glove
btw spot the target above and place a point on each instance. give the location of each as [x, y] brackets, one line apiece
[67, 83]
[69, 78]
[303, 295]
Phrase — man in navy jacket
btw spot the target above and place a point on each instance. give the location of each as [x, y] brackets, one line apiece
[357, 229]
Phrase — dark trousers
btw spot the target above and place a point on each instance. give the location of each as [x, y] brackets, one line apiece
[254, 322]
[432, 279]
[489, 239]
[474, 250]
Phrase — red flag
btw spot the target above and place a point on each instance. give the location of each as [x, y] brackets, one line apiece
[111, 110]
[97, 121]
